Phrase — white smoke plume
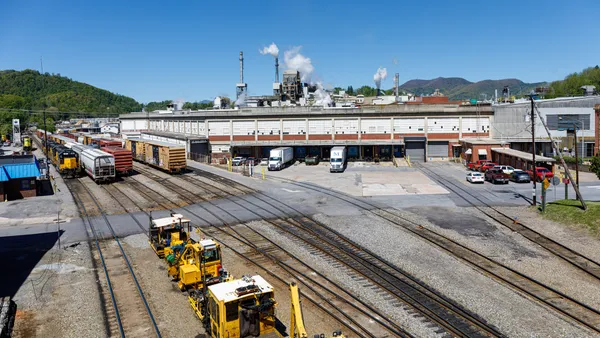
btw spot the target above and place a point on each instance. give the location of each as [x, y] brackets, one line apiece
[272, 49]
[380, 76]
[240, 101]
[178, 103]
[295, 61]
[322, 98]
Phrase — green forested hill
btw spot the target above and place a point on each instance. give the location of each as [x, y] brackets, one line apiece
[28, 89]
[571, 85]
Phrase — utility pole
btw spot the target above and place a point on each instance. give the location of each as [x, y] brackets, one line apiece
[576, 155]
[46, 137]
[534, 171]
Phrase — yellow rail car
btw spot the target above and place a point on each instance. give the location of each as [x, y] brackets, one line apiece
[165, 156]
[137, 148]
[65, 160]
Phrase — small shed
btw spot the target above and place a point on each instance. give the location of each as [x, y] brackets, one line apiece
[474, 149]
[18, 177]
[520, 159]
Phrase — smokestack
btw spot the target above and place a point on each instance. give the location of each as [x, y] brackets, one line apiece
[276, 69]
[241, 67]
[396, 84]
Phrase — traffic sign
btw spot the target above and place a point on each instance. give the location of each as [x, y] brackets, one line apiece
[546, 183]
[555, 180]
[566, 180]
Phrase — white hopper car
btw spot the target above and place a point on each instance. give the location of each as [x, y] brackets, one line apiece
[100, 166]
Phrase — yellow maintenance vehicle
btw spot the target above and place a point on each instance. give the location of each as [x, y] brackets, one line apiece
[27, 143]
[194, 265]
[167, 232]
[246, 308]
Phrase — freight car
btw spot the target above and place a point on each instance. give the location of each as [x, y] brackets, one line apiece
[123, 159]
[100, 166]
[137, 148]
[166, 156]
[104, 142]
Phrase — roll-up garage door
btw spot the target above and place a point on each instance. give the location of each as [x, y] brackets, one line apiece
[437, 149]
[415, 148]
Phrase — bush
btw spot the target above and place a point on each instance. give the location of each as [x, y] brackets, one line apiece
[595, 167]
[568, 159]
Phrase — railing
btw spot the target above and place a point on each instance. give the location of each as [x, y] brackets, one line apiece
[202, 158]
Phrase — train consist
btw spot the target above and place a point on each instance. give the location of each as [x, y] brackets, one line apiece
[72, 159]
[227, 306]
[162, 155]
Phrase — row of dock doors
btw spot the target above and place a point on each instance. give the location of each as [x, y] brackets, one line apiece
[415, 148]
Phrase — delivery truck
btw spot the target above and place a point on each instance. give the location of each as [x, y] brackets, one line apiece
[337, 159]
[281, 157]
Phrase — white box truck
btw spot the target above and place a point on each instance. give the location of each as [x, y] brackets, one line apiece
[337, 159]
[279, 158]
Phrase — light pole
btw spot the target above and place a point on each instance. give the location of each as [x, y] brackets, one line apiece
[575, 122]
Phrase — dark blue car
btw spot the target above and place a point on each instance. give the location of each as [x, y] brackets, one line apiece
[520, 177]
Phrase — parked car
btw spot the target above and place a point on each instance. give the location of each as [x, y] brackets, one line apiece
[477, 165]
[251, 161]
[520, 176]
[540, 174]
[475, 177]
[264, 161]
[239, 160]
[496, 176]
[486, 166]
[507, 169]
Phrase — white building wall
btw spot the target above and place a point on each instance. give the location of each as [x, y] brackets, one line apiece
[269, 127]
[188, 127]
[202, 128]
[319, 127]
[346, 126]
[218, 128]
[294, 127]
[375, 126]
[243, 127]
[409, 126]
[443, 125]
[472, 125]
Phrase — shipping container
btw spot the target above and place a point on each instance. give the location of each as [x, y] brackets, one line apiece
[123, 159]
[166, 156]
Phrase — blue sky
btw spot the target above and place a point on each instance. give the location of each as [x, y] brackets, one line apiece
[155, 50]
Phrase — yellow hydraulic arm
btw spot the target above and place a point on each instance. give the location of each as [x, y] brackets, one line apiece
[297, 322]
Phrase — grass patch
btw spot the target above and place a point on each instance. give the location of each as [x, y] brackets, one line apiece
[570, 212]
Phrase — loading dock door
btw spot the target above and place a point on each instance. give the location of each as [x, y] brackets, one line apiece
[415, 148]
[437, 149]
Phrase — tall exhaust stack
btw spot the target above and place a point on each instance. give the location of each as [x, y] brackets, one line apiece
[396, 85]
[241, 89]
[241, 67]
[276, 69]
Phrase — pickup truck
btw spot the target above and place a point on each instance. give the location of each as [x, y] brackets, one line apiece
[486, 166]
[496, 176]
[541, 172]
[476, 165]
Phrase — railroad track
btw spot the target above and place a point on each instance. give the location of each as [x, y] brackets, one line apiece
[320, 291]
[126, 308]
[572, 257]
[565, 305]
[406, 291]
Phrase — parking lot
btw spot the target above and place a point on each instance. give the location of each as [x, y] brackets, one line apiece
[413, 185]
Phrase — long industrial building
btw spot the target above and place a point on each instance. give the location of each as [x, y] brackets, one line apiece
[421, 131]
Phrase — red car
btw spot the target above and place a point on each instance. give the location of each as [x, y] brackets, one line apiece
[541, 172]
[476, 165]
[486, 166]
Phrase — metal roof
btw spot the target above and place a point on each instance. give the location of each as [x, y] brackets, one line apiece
[226, 291]
[21, 170]
[523, 155]
[3, 175]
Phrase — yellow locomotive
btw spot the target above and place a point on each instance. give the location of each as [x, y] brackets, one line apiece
[65, 160]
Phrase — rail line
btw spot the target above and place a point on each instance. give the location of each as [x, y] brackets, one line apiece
[132, 315]
[571, 256]
[571, 308]
[404, 288]
[335, 300]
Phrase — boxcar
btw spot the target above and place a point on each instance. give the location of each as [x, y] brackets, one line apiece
[137, 148]
[166, 156]
[123, 159]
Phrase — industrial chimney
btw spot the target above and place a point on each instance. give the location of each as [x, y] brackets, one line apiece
[241, 89]
[276, 69]
[396, 85]
[241, 67]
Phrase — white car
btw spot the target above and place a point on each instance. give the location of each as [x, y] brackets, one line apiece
[507, 169]
[475, 177]
[238, 161]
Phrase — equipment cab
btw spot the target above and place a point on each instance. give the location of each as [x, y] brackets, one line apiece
[169, 231]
